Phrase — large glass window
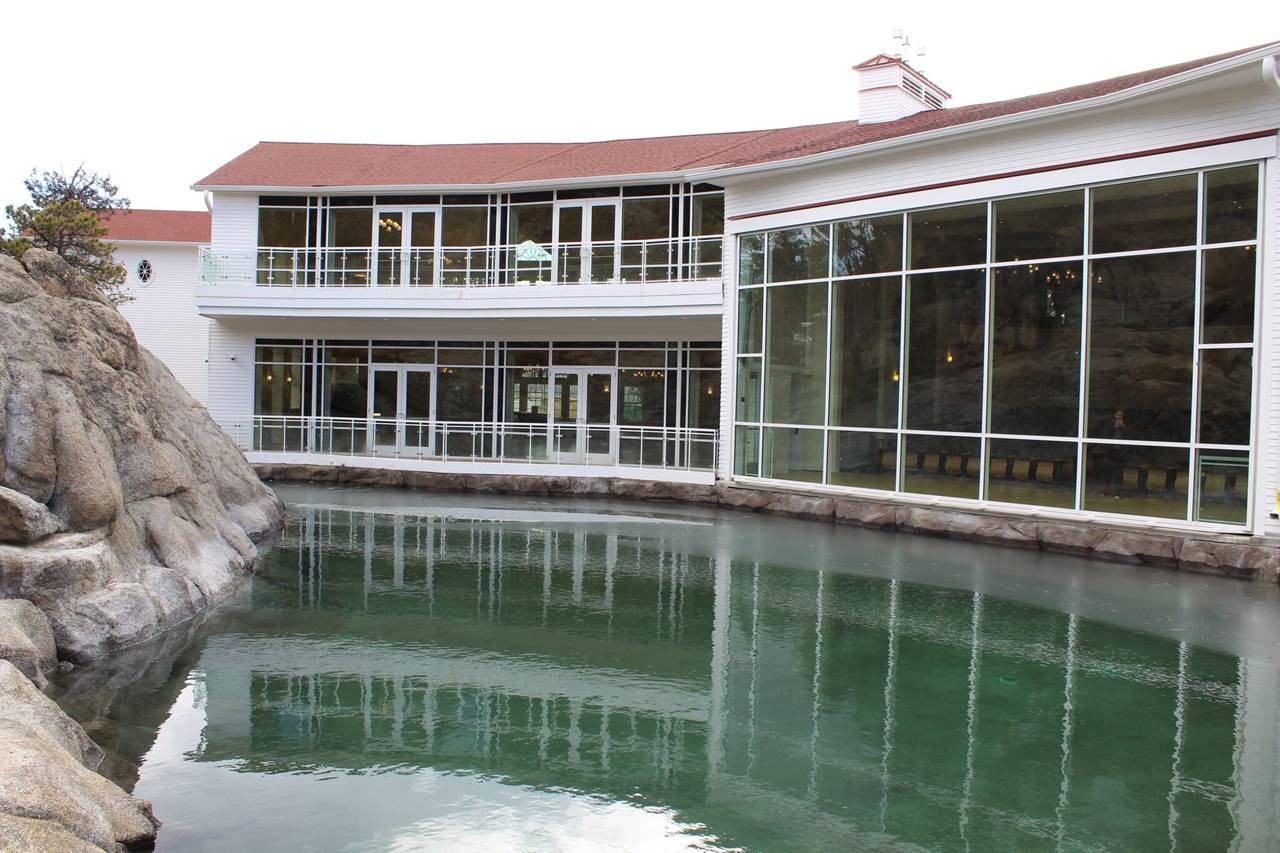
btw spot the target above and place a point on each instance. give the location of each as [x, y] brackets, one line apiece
[945, 351]
[799, 253]
[1107, 368]
[1035, 349]
[1040, 226]
[1145, 214]
[864, 374]
[282, 226]
[1141, 344]
[948, 236]
[795, 380]
[865, 246]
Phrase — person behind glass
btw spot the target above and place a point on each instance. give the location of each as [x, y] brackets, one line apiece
[1113, 455]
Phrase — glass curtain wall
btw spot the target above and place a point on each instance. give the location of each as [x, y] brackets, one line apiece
[668, 232]
[1088, 349]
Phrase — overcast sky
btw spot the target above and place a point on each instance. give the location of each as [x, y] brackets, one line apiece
[169, 91]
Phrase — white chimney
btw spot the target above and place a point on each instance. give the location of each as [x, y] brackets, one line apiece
[890, 89]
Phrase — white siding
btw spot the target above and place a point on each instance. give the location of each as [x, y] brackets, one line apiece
[1268, 359]
[230, 393]
[163, 311]
[1131, 127]
[235, 222]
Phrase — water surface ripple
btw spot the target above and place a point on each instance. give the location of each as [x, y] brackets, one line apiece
[462, 672]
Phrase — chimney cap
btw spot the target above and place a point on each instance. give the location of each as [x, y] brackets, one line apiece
[882, 59]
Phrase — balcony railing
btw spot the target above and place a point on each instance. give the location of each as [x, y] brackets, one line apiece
[627, 261]
[674, 448]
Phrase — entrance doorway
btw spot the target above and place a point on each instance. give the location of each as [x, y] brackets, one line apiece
[587, 235]
[402, 409]
[582, 418]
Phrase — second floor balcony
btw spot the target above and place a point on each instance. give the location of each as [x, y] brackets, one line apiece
[657, 261]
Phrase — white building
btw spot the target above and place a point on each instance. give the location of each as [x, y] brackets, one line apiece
[1062, 305]
[159, 250]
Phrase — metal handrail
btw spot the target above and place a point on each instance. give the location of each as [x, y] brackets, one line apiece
[677, 448]
[610, 262]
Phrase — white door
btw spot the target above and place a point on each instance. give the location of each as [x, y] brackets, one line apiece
[586, 236]
[582, 415]
[402, 409]
[406, 243]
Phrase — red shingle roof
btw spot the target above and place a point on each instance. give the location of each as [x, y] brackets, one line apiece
[163, 226]
[302, 164]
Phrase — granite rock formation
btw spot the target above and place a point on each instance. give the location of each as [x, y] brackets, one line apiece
[124, 509]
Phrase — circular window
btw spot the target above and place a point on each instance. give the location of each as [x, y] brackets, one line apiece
[144, 271]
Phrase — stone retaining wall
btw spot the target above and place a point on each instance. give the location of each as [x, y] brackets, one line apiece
[1209, 553]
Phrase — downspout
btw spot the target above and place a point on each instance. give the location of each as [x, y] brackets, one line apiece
[1271, 74]
[208, 196]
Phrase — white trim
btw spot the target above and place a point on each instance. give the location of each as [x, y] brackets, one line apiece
[997, 188]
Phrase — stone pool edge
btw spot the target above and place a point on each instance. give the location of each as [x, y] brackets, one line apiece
[1239, 556]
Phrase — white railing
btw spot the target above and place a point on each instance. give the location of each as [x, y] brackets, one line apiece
[626, 261]
[677, 448]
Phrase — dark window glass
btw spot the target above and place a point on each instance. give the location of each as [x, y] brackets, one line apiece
[460, 394]
[531, 222]
[283, 200]
[708, 215]
[1140, 347]
[799, 253]
[750, 320]
[1040, 226]
[407, 199]
[1149, 481]
[1229, 278]
[591, 192]
[1231, 204]
[1035, 349]
[351, 201]
[641, 397]
[865, 336]
[945, 351]
[868, 245]
[1144, 214]
[1226, 395]
[746, 451]
[949, 236]
[1037, 473]
[464, 226]
[282, 228]
[748, 407]
[702, 399]
[642, 358]
[278, 389]
[346, 391]
[792, 454]
[402, 355]
[278, 353]
[795, 373]
[646, 218]
[751, 259]
[1222, 486]
[864, 460]
[651, 189]
[941, 465]
[352, 227]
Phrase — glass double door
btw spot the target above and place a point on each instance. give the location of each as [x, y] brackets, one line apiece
[402, 409]
[582, 423]
[405, 241]
[587, 235]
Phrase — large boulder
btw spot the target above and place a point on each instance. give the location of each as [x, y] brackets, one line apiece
[26, 640]
[124, 509]
[48, 787]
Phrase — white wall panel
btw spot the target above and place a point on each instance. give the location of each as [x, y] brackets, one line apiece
[163, 311]
[230, 389]
[235, 222]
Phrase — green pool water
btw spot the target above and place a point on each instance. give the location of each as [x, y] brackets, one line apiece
[445, 672]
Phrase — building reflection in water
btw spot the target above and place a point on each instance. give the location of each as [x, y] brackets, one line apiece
[642, 657]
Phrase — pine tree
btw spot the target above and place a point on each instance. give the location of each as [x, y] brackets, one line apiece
[67, 215]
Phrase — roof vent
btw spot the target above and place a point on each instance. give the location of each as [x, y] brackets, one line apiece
[890, 89]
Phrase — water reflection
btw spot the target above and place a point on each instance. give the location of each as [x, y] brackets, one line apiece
[661, 662]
